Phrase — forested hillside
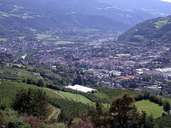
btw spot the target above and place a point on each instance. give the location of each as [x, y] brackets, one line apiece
[155, 30]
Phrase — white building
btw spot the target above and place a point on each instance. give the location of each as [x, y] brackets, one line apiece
[80, 88]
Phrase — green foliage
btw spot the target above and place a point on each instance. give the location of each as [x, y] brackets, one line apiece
[8, 91]
[150, 108]
[54, 125]
[162, 104]
[167, 107]
[107, 95]
[81, 123]
[75, 97]
[71, 104]
[41, 83]
[69, 108]
[11, 119]
[18, 125]
[124, 113]
[149, 122]
[164, 122]
[32, 102]
[7, 116]
[18, 74]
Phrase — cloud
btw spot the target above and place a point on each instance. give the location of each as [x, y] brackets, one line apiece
[166, 0]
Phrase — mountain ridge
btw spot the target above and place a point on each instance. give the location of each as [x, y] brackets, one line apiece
[75, 14]
[154, 30]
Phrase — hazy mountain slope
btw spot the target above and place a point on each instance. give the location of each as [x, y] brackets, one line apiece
[51, 14]
[155, 30]
[116, 15]
[152, 6]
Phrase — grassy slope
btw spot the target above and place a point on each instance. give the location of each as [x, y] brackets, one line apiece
[53, 114]
[17, 73]
[109, 95]
[167, 99]
[67, 100]
[75, 97]
[68, 96]
[8, 90]
[150, 108]
[68, 106]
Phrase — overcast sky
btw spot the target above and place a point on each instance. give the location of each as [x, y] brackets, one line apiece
[166, 0]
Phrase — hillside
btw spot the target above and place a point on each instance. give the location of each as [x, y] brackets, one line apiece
[82, 64]
[155, 30]
[65, 105]
[74, 15]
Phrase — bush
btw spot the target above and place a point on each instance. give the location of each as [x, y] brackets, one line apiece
[31, 102]
[11, 119]
[18, 125]
[82, 124]
[155, 99]
[4, 103]
[167, 107]
[41, 83]
[33, 121]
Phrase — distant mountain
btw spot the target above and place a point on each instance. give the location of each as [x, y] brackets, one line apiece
[149, 6]
[25, 16]
[155, 30]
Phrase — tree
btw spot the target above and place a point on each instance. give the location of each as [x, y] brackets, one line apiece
[78, 79]
[40, 83]
[167, 107]
[124, 113]
[99, 108]
[149, 122]
[2, 120]
[29, 81]
[99, 118]
[32, 102]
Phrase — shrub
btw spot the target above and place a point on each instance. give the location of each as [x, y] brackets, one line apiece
[11, 119]
[31, 102]
[167, 107]
[33, 121]
[82, 124]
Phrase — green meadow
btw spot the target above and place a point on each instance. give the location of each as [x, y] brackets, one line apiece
[150, 108]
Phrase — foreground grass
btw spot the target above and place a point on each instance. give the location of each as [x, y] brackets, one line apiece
[150, 108]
